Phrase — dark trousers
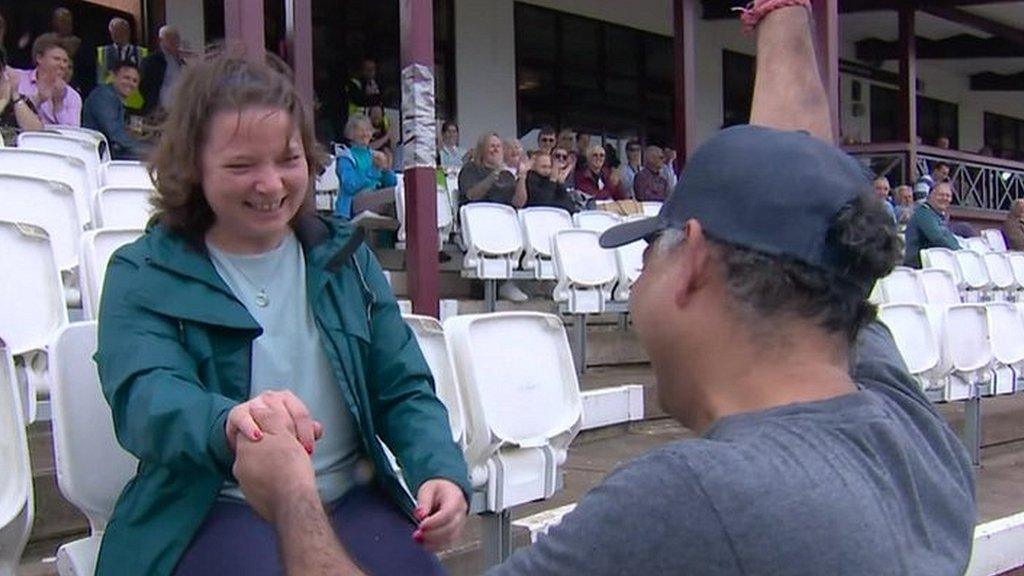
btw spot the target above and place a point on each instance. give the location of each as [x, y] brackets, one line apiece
[374, 531]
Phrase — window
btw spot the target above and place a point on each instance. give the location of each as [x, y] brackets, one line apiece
[737, 87]
[597, 77]
[935, 118]
[1004, 135]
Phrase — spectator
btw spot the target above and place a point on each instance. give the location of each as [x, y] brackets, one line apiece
[631, 167]
[453, 156]
[367, 182]
[62, 23]
[485, 179]
[384, 138]
[160, 69]
[924, 184]
[563, 170]
[119, 50]
[596, 179]
[543, 187]
[567, 140]
[362, 90]
[650, 185]
[512, 151]
[668, 170]
[582, 146]
[942, 142]
[1013, 226]
[45, 85]
[905, 205]
[104, 111]
[16, 111]
[240, 297]
[882, 187]
[546, 139]
[928, 228]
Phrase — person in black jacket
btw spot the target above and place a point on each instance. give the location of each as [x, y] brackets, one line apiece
[542, 189]
[160, 69]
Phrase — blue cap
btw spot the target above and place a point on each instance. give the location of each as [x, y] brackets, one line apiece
[776, 192]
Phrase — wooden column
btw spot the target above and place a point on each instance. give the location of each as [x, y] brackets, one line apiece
[826, 16]
[908, 88]
[243, 25]
[299, 29]
[684, 21]
[417, 38]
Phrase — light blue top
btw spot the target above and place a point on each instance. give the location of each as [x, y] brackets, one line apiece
[289, 355]
[357, 173]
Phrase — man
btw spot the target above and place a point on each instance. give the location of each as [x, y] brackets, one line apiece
[567, 140]
[546, 139]
[927, 227]
[803, 466]
[924, 184]
[120, 50]
[632, 166]
[905, 205]
[362, 90]
[46, 85]
[104, 111]
[650, 184]
[1013, 226]
[668, 169]
[882, 187]
[160, 69]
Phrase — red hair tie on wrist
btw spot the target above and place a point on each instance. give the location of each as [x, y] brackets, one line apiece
[752, 14]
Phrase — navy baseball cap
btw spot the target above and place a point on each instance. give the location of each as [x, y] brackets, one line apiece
[773, 191]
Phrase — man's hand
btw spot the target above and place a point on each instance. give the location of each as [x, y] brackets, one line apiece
[275, 469]
[441, 509]
[241, 421]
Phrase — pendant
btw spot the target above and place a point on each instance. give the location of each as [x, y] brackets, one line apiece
[262, 300]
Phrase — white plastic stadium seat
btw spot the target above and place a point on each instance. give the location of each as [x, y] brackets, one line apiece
[539, 226]
[999, 271]
[1006, 332]
[126, 174]
[901, 286]
[522, 401]
[1017, 266]
[56, 167]
[430, 336]
[651, 208]
[939, 287]
[973, 270]
[915, 338]
[47, 204]
[16, 502]
[596, 220]
[995, 239]
[92, 468]
[444, 213]
[630, 261]
[945, 259]
[585, 271]
[121, 207]
[493, 241]
[83, 132]
[976, 243]
[97, 247]
[967, 344]
[86, 150]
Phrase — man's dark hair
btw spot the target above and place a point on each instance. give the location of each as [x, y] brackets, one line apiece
[121, 65]
[447, 123]
[940, 164]
[546, 129]
[764, 288]
[632, 143]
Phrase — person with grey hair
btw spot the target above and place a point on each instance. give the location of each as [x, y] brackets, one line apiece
[818, 452]
[650, 185]
[119, 50]
[160, 69]
[367, 182]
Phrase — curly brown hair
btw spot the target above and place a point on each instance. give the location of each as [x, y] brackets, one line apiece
[223, 81]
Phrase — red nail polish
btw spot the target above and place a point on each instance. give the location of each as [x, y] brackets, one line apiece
[257, 435]
[309, 449]
[418, 538]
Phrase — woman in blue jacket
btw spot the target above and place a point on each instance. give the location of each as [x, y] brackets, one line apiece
[240, 297]
[367, 182]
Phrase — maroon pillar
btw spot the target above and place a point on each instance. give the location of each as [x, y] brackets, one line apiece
[684, 21]
[419, 146]
[299, 24]
[826, 16]
[243, 25]
[908, 88]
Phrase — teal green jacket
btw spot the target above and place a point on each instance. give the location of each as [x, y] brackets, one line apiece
[174, 357]
[926, 229]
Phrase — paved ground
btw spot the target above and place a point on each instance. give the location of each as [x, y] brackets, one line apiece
[597, 452]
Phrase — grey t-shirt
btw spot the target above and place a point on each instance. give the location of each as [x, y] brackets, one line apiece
[290, 355]
[873, 482]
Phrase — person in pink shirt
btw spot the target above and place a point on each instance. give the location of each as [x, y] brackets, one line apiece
[46, 85]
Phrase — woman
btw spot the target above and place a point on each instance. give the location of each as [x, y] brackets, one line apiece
[240, 297]
[514, 156]
[367, 182]
[543, 188]
[452, 156]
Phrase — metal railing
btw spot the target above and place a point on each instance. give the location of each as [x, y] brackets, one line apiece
[979, 182]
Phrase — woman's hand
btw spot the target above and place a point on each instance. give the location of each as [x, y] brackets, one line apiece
[241, 421]
[441, 509]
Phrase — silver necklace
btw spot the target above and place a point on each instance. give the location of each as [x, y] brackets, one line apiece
[262, 298]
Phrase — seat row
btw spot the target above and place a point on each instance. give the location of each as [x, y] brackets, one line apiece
[514, 421]
[980, 275]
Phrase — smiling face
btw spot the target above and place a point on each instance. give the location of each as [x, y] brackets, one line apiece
[53, 63]
[126, 81]
[941, 197]
[595, 158]
[254, 177]
[542, 164]
[513, 154]
[494, 152]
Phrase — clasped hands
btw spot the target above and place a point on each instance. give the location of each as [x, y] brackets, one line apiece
[273, 436]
